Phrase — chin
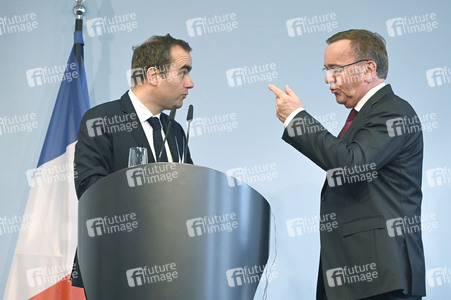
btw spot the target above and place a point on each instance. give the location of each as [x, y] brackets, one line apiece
[340, 101]
[177, 104]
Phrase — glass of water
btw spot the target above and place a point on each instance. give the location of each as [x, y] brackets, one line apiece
[137, 156]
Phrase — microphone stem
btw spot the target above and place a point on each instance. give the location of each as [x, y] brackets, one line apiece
[186, 143]
[164, 141]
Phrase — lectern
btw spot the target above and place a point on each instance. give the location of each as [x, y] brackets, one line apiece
[172, 231]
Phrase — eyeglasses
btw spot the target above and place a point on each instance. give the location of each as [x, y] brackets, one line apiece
[338, 70]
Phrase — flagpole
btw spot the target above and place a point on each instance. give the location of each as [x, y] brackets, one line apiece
[79, 11]
[51, 241]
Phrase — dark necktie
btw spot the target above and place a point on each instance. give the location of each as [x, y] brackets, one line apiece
[158, 139]
[348, 123]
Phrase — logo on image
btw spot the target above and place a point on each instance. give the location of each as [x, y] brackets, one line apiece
[306, 125]
[111, 225]
[112, 124]
[257, 173]
[410, 25]
[249, 75]
[353, 174]
[48, 275]
[51, 173]
[54, 74]
[438, 176]
[313, 24]
[18, 123]
[400, 126]
[135, 76]
[17, 224]
[214, 124]
[407, 225]
[209, 25]
[247, 275]
[18, 23]
[150, 275]
[111, 25]
[350, 275]
[299, 226]
[209, 225]
[438, 76]
[407, 125]
[438, 276]
[149, 174]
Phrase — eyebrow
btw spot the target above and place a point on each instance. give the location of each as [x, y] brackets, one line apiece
[187, 67]
[332, 66]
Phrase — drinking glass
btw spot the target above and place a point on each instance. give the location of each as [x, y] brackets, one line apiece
[137, 156]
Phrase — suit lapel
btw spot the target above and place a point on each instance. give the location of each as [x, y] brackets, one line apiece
[138, 132]
[361, 116]
[358, 122]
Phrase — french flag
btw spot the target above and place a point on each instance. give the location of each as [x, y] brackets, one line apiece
[43, 258]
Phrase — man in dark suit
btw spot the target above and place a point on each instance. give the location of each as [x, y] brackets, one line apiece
[373, 169]
[161, 80]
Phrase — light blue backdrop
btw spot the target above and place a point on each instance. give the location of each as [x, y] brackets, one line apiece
[238, 48]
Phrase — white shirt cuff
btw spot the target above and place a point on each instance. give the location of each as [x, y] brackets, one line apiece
[291, 116]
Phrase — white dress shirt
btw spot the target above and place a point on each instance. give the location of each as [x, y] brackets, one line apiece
[143, 115]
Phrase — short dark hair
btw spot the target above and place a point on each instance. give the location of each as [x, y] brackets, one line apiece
[366, 45]
[155, 52]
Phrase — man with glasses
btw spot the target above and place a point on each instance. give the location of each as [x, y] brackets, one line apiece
[373, 175]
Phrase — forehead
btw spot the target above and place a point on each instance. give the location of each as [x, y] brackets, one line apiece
[180, 57]
[339, 52]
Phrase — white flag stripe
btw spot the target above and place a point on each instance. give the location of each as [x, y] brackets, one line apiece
[42, 258]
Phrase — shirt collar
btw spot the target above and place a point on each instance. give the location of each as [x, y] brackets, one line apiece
[143, 113]
[368, 95]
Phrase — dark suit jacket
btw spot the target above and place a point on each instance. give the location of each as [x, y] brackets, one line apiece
[377, 216]
[107, 132]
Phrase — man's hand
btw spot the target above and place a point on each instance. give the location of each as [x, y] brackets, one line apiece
[286, 103]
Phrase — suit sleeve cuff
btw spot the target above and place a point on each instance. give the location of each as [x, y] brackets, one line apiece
[291, 116]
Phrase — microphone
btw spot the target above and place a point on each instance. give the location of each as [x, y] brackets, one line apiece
[171, 118]
[189, 119]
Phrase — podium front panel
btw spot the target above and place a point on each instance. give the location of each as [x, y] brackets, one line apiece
[172, 231]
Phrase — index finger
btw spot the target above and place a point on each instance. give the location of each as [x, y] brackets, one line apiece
[275, 90]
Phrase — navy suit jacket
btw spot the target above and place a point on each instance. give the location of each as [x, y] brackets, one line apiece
[107, 132]
[373, 194]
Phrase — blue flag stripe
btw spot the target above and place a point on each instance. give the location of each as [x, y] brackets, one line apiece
[71, 103]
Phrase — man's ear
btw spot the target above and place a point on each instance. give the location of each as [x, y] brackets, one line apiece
[152, 75]
[371, 70]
